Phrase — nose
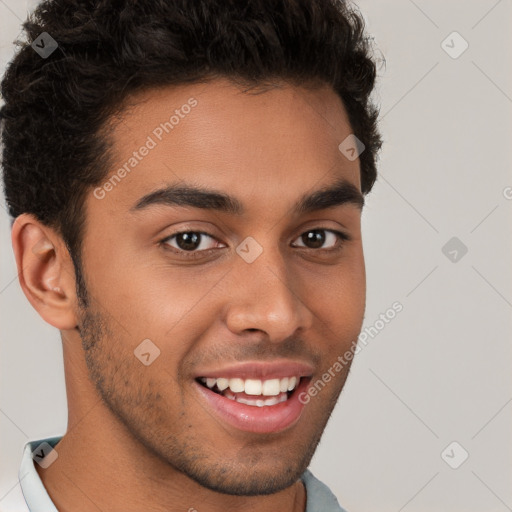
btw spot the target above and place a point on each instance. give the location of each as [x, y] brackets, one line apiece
[265, 296]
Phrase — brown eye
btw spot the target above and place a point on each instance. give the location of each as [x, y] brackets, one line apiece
[316, 238]
[190, 241]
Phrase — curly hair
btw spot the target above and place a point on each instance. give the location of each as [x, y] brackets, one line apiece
[54, 145]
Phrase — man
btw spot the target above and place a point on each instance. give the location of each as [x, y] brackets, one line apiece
[187, 179]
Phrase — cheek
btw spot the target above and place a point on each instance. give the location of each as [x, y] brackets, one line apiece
[169, 299]
[140, 292]
[338, 300]
[172, 308]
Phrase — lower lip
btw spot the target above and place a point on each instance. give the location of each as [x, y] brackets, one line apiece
[261, 420]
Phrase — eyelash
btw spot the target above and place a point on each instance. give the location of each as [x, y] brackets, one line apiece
[342, 238]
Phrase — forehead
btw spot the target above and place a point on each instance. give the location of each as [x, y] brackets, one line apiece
[259, 146]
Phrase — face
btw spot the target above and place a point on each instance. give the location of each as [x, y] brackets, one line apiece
[243, 301]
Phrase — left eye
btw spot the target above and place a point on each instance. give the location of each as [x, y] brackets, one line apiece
[316, 238]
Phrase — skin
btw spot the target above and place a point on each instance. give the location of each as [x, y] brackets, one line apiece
[138, 437]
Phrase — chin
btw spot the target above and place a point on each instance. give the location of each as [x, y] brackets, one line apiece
[244, 482]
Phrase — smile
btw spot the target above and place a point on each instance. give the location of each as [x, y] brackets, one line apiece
[253, 392]
[255, 397]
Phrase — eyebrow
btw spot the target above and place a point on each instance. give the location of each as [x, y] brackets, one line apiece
[339, 193]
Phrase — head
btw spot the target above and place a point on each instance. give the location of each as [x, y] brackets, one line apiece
[176, 175]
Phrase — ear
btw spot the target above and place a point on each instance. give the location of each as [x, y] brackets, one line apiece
[45, 271]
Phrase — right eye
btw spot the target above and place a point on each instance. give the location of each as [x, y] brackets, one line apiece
[189, 241]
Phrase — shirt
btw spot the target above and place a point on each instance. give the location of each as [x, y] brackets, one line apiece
[319, 497]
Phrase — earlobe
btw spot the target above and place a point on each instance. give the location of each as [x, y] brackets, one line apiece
[45, 271]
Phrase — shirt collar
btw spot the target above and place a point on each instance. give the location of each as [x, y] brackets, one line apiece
[32, 487]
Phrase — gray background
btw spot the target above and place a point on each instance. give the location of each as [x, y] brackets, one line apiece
[439, 372]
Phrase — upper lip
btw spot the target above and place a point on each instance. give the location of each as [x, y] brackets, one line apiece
[277, 369]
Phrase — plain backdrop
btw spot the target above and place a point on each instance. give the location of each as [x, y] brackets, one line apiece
[434, 385]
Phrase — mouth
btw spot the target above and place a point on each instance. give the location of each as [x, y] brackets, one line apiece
[253, 392]
[255, 405]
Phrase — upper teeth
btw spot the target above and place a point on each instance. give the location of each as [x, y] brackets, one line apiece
[271, 387]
